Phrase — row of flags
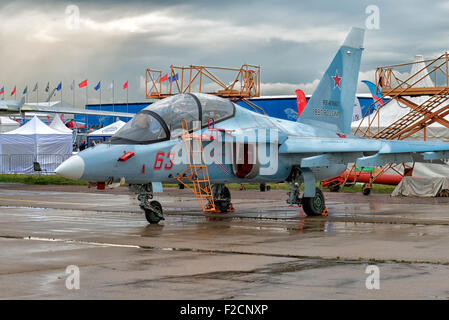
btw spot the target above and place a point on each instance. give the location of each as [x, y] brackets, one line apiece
[82, 84]
[171, 79]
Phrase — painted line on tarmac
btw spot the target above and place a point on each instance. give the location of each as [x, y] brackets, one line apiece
[52, 202]
[361, 260]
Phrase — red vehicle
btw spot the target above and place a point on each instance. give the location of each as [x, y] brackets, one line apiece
[362, 176]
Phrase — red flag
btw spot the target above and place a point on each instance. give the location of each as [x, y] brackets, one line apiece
[301, 101]
[125, 86]
[164, 78]
[14, 91]
[83, 84]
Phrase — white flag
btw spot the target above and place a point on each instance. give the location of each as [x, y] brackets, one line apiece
[111, 86]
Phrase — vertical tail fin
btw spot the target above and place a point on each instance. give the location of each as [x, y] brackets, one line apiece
[332, 102]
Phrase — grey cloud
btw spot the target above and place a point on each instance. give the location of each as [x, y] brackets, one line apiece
[292, 41]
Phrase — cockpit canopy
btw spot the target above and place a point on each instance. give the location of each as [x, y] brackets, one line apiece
[162, 119]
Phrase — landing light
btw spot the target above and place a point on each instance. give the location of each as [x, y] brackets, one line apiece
[126, 156]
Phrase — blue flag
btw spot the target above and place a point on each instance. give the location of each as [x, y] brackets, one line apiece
[59, 87]
[175, 77]
[97, 87]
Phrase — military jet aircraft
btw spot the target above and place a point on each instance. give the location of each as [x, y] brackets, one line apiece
[316, 147]
[11, 105]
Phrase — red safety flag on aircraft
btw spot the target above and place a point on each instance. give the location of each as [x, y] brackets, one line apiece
[125, 86]
[14, 91]
[164, 78]
[83, 84]
[301, 101]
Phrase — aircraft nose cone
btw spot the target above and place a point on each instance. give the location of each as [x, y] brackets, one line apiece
[72, 168]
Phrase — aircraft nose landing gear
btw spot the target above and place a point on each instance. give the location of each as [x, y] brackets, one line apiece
[152, 209]
[153, 213]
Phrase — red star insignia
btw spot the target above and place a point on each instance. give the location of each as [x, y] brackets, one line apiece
[337, 80]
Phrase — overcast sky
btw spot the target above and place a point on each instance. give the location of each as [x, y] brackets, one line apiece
[292, 41]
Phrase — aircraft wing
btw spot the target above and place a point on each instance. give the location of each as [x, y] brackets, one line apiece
[322, 152]
[34, 108]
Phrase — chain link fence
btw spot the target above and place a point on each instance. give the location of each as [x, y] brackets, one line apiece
[30, 163]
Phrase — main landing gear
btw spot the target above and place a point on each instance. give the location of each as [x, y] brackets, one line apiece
[313, 202]
[152, 209]
[222, 197]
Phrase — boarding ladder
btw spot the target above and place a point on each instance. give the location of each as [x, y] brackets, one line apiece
[197, 173]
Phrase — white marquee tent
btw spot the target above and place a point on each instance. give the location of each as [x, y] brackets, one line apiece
[33, 142]
[105, 133]
[109, 130]
[59, 125]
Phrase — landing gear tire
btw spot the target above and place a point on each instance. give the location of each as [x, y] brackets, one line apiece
[314, 206]
[262, 187]
[334, 187]
[154, 213]
[222, 197]
[366, 191]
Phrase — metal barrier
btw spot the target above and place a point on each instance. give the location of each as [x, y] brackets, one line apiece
[30, 163]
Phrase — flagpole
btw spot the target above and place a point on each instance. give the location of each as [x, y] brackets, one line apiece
[27, 94]
[86, 106]
[113, 90]
[37, 89]
[100, 95]
[73, 93]
[127, 96]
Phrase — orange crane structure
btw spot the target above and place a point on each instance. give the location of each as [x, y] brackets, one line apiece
[244, 82]
[396, 82]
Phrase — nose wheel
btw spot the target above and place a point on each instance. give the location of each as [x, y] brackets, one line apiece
[153, 213]
[152, 209]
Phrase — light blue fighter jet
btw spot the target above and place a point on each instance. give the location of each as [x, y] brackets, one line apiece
[251, 148]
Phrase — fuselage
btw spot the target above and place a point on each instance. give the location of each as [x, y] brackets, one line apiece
[155, 162]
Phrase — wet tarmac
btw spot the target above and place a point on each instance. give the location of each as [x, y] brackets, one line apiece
[264, 250]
